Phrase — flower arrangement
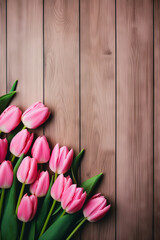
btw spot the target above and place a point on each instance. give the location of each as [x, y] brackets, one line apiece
[32, 201]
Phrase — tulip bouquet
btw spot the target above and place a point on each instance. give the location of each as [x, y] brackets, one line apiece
[33, 203]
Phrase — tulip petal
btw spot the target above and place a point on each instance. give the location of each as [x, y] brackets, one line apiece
[76, 204]
[32, 171]
[6, 174]
[34, 202]
[99, 214]
[22, 172]
[66, 164]
[58, 188]
[43, 184]
[54, 158]
[68, 196]
[28, 143]
[3, 149]
[41, 150]
[25, 209]
[92, 205]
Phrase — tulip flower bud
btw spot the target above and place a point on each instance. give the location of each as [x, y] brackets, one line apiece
[27, 171]
[61, 159]
[3, 149]
[96, 208]
[27, 208]
[40, 150]
[73, 199]
[21, 143]
[35, 115]
[6, 174]
[41, 185]
[10, 118]
[59, 186]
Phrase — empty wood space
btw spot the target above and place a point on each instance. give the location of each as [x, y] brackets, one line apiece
[96, 65]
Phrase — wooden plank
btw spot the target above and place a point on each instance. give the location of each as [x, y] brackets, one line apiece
[97, 32]
[3, 47]
[25, 50]
[134, 119]
[156, 119]
[61, 56]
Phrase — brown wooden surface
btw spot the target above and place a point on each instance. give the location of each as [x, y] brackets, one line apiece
[25, 50]
[134, 120]
[97, 51]
[157, 119]
[91, 62]
[2, 46]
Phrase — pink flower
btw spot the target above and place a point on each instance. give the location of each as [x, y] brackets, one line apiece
[41, 185]
[27, 171]
[73, 199]
[35, 115]
[59, 186]
[3, 149]
[21, 143]
[27, 208]
[96, 208]
[40, 150]
[6, 174]
[10, 118]
[61, 159]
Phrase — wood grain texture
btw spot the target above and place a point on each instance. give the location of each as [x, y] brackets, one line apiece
[2, 47]
[61, 56]
[134, 120]
[97, 35]
[25, 50]
[157, 120]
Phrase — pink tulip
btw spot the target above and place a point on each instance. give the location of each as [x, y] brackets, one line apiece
[59, 186]
[27, 208]
[73, 199]
[35, 115]
[6, 174]
[41, 185]
[3, 149]
[21, 143]
[61, 159]
[10, 118]
[27, 171]
[96, 208]
[40, 150]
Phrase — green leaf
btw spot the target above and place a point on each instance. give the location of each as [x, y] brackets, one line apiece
[14, 86]
[90, 184]
[42, 215]
[31, 231]
[60, 229]
[75, 165]
[9, 225]
[58, 208]
[5, 99]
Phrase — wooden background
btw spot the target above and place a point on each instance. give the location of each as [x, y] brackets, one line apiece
[96, 64]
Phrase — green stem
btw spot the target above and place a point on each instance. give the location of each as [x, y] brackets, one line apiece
[63, 213]
[48, 217]
[0, 132]
[22, 231]
[12, 158]
[1, 201]
[75, 230]
[24, 127]
[20, 196]
[55, 176]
